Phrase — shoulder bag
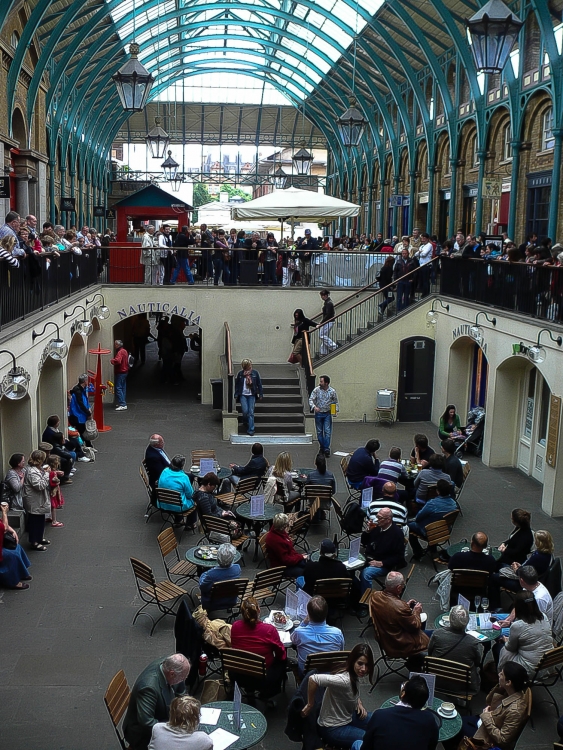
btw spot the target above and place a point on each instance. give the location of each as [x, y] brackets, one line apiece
[91, 431]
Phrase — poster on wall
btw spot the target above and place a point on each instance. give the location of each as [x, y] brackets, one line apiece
[68, 204]
[4, 187]
[110, 213]
[99, 211]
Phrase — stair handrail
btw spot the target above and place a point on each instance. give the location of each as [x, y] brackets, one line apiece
[228, 390]
[306, 357]
[228, 350]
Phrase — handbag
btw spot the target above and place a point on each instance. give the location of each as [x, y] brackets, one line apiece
[91, 431]
[9, 540]
[293, 359]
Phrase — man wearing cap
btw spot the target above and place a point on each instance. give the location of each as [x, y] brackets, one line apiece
[305, 246]
[314, 636]
[327, 566]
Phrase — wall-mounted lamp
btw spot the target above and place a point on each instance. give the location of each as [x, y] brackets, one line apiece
[82, 326]
[432, 314]
[15, 384]
[57, 347]
[476, 330]
[537, 353]
[101, 311]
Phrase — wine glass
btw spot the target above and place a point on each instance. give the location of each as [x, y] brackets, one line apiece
[477, 603]
[485, 604]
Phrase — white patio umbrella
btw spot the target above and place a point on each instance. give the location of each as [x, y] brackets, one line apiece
[295, 205]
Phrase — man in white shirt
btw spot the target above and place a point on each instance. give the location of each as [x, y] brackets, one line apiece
[148, 259]
[166, 252]
[424, 255]
[529, 581]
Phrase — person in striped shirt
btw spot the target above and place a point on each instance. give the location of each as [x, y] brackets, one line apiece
[392, 469]
[389, 500]
[6, 245]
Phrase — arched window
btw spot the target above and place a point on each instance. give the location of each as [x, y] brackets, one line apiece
[506, 139]
[14, 39]
[548, 141]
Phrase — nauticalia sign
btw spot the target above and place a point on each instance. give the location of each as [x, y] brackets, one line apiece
[165, 308]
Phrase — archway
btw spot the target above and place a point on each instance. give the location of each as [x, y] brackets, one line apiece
[18, 128]
[51, 393]
[17, 430]
[76, 362]
[468, 375]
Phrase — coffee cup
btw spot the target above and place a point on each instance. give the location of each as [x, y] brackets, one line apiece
[446, 619]
[448, 709]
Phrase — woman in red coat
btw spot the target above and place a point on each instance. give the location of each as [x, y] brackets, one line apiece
[281, 550]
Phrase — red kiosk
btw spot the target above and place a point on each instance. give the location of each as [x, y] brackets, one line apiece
[147, 204]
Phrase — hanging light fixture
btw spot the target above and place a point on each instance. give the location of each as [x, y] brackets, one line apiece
[102, 311]
[133, 82]
[177, 181]
[157, 140]
[432, 314]
[476, 330]
[170, 167]
[15, 384]
[83, 326]
[352, 123]
[303, 160]
[57, 348]
[537, 353]
[280, 178]
[492, 33]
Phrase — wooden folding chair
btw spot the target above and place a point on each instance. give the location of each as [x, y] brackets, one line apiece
[469, 583]
[326, 662]
[232, 590]
[324, 493]
[298, 531]
[336, 591]
[353, 494]
[266, 585]
[219, 525]
[552, 661]
[151, 507]
[339, 513]
[169, 516]
[242, 493]
[176, 568]
[452, 678]
[116, 699]
[197, 455]
[389, 661]
[437, 535]
[466, 471]
[248, 670]
[163, 595]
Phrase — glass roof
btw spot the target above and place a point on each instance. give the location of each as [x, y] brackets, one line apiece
[289, 45]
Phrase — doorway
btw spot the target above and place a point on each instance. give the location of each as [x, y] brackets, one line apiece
[534, 419]
[416, 379]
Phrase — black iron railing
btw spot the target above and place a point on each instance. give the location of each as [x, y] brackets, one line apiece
[535, 290]
[43, 282]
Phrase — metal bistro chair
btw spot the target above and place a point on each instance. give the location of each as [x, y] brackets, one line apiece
[174, 499]
[163, 595]
[437, 535]
[324, 493]
[389, 661]
[116, 699]
[339, 513]
[218, 525]
[242, 493]
[266, 585]
[452, 678]
[468, 583]
[175, 567]
[353, 493]
[466, 471]
[247, 669]
[552, 660]
[336, 591]
[300, 529]
[231, 590]
[197, 455]
[151, 508]
[326, 662]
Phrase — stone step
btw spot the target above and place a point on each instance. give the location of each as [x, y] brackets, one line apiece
[289, 381]
[269, 428]
[271, 439]
[277, 407]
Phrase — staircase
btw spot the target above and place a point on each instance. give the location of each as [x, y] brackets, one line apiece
[278, 417]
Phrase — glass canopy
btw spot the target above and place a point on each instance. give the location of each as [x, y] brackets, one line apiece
[286, 46]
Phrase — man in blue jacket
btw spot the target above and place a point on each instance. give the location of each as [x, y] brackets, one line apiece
[433, 510]
[363, 463]
[405, 725]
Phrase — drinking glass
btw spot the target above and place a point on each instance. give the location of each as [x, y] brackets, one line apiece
[485, 604]
[477, 603]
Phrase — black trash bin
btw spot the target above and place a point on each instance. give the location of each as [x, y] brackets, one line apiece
[217, 392]
[248, 274]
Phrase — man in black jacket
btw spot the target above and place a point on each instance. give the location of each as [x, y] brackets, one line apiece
[156, 459]
[182, 243]
[384, 548]
[256, 467]
[327, 566]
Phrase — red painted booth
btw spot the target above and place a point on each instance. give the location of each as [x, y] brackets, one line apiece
[147, 205]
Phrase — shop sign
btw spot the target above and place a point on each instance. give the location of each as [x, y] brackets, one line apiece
[4, 187]
[159, 307]
[492, 188]
[465, 330]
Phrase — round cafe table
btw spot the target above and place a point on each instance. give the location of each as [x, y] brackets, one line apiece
[449, 727]
[253, 724]
[203, 565]
[342, 555]
[491, 635]
[258, 522]
[223, 473]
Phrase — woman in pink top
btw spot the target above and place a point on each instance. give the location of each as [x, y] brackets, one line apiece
[249, 634]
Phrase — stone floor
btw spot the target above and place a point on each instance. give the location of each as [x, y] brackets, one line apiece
[64, 639]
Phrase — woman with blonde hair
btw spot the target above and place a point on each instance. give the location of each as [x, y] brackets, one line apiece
[507, 577]
[281, 470]
[6, 247]
[281, 551]
[249, 634]
[36, 499]
[179, 732]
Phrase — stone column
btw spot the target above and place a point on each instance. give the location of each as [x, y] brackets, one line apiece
[513, 204]
[22, 194]
[41, 194]
[4, 203]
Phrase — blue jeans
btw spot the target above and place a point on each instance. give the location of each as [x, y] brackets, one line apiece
[403, 294]
[218, 266]
[247, 404]
[368, 574]
[121, 388]
[182, 263]
[347, 735]
[323, 423]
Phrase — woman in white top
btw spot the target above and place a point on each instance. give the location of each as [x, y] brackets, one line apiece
[179, 732]
[342, 719]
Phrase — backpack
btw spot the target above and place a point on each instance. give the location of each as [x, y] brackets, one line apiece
[353, 519]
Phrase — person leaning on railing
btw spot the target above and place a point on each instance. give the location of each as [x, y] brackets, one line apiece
[6, 246]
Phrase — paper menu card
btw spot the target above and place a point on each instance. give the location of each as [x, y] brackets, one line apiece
[354, 551]
[472, 623]
[285, 637]
[222, 739]
[209, 715]
[257, 505]
[302, 601]
[463, 602]
[367, 497]
[291, 603]
[484, 620]
[206, 465]
[477, 635]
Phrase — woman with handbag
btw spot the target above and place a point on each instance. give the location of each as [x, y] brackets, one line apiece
[36, 499]
[300, 324]
[13, 560]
